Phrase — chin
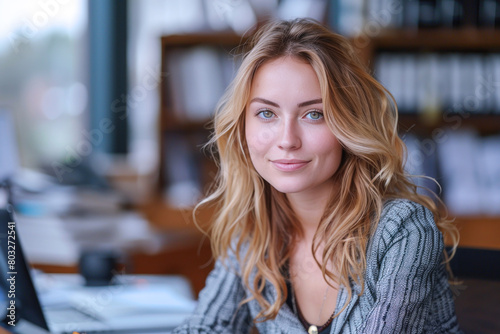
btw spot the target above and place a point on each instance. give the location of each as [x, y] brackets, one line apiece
[287, 188]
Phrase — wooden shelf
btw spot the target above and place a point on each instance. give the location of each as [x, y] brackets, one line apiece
[167, 218]
[438, 40]
[174, 124]
[485, 124]
[479, 232]
[188, 40]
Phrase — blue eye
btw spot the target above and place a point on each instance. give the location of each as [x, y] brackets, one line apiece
[266, 114]
[314, 115]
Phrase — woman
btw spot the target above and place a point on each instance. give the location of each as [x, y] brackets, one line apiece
[318, 228]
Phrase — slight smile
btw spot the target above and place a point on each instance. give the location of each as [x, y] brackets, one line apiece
[289, 165]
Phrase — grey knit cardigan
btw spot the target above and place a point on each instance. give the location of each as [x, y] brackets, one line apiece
[405, 289]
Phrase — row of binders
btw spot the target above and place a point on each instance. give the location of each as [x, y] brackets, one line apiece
[466, 165]
[451, 82]
[353, 17]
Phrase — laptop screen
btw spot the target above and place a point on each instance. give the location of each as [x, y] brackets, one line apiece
[16, 285]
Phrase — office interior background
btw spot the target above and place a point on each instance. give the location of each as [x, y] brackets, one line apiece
[104, 106]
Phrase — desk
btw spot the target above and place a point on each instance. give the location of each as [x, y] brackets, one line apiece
[134, 303]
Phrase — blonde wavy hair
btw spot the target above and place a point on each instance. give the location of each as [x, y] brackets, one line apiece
[255, 221]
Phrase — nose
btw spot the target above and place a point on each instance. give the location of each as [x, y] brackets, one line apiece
[289, 138]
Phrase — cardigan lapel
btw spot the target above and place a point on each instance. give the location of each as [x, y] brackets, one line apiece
[286, 321]
[339, 322]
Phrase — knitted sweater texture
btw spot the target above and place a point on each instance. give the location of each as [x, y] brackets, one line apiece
[405, 288]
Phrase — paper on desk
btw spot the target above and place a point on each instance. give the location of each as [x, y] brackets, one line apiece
[117, 301]
[46, 241]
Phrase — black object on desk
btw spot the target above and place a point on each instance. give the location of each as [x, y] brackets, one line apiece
[98, 266]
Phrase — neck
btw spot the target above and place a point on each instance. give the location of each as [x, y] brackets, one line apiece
[309, 210]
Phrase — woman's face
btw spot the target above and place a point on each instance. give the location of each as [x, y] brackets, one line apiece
[289, 142]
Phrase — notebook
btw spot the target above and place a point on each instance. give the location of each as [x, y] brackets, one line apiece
[130, 313]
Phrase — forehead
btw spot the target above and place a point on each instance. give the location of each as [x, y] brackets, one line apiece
[285, 74]
[282, 64]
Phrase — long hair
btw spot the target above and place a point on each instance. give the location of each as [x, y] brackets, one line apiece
[255, 221]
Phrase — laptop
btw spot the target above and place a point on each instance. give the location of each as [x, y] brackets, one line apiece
[24, 308]
[9, 161]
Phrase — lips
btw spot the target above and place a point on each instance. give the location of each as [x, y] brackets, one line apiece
[289, 165]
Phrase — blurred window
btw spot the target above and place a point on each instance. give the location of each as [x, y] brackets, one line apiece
[43, 76]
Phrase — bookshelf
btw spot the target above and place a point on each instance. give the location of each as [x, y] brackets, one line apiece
[197, 68]
[477, 229]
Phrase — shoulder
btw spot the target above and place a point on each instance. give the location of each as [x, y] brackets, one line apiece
[407, 221]
[404, 214]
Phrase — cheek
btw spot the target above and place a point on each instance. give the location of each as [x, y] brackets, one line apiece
[329, 148]
[259, 139]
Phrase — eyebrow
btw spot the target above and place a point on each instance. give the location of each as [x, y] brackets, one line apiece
[274, 104]
[308, 103]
